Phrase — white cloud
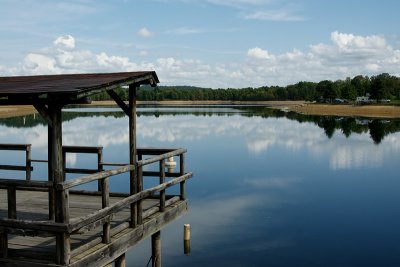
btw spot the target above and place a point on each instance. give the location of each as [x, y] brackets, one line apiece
[258, 53]
[346, 55]
[145, 33]
[65, 42]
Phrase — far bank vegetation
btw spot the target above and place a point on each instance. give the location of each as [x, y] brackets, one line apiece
[380, 87]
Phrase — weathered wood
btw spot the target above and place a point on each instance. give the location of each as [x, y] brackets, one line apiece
[43, 111]
[56, 174]
[94, 177]
[28, 163]
[119, 101]
[14, 167]
[12, 202]
[162, 180]
[113, 164]
[161, 157]
[133, 178]
[105, 200]
[182, 185]
[102, 254]
[90, 218]
[24, 184]
[82, 149]
[154, 150]
[3, 244]
[156, 249]
[120, 261]
[46, 226]
[157, 174]
[19, 147]
[139, 189]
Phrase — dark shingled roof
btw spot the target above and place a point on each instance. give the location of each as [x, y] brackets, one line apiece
[73, 86]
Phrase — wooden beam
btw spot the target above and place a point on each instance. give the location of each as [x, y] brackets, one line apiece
[44, 112]
[119, 101]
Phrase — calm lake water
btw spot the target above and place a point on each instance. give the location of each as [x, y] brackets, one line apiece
[270, 188]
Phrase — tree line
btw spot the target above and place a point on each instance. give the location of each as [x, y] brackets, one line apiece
[382, 86]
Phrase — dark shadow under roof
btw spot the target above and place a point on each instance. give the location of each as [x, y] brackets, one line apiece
[69, 86]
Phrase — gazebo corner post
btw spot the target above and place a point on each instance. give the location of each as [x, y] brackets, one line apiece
[59, 204]
[133, 175]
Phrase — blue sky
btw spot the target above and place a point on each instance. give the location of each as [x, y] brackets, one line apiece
[210, 43]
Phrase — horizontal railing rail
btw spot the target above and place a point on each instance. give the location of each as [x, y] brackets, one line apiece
[28, 161]
[94, 177]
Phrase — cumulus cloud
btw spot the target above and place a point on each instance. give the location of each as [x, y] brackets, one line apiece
[63, 57]
[65, 42]
[145, 33]
[346, 55]
[257, 52]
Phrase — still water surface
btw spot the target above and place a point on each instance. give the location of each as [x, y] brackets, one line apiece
[270, 188]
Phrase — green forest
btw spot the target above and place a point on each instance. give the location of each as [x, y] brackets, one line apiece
[382, 86]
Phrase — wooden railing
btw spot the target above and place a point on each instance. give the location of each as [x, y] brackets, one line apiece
[101, 217]
[28, 162]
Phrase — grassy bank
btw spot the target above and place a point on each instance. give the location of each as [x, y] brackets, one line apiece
[373, 111]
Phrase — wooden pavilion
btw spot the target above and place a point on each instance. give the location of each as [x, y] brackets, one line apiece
[50, 222]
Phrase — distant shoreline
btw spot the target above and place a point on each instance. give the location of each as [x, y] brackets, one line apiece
[302, 107]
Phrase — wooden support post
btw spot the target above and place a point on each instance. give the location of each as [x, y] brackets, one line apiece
[56, 175]
[52, 195]
[182, 185]
[132, 152]
[28, 163]
[105, 199]
[156, 249]
[120, 261]
[162, 180]
[12, 202]
[3, 244]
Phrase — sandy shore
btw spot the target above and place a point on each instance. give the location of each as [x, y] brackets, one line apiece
[375, 111]
[13, 111]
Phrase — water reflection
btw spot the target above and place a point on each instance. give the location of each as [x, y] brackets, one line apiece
[270, 188]
[264, 130]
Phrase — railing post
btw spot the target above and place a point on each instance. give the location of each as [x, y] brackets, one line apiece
[28, 163]
[4, 244]
[99, 165]
[139, 189]
[182, 185]
[105, 202]
[12, 202]
[63, 242]
[162, 180]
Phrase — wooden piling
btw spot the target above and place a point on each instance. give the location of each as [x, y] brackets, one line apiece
[156, 249]
[186, 239]
[120, 261]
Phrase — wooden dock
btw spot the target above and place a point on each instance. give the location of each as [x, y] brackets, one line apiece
[99, 226]
[52, 222]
